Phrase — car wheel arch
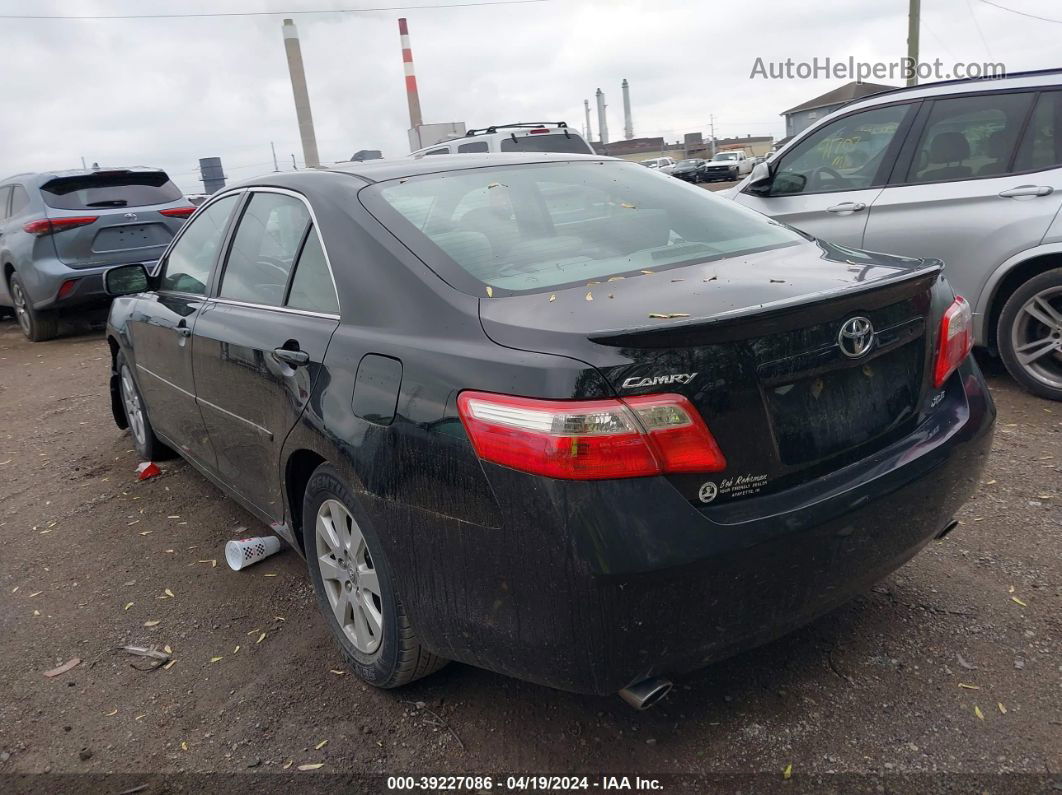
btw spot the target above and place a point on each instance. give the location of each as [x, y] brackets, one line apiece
[1007, 279]
[300, 466]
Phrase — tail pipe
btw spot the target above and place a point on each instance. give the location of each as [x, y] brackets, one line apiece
[947, 529]
[646, 693]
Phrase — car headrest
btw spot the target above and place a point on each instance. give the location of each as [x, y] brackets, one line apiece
[949, 147]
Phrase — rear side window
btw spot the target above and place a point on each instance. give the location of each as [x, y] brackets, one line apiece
[187, 268]
[437, 152]
[312, 288]
[969, 137]
[19, 199]
[109, 189]
[475, 146]
[551, 142]
[264, 247]
[1041, 147]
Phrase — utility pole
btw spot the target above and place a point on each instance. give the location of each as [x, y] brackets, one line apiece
[589, 132]
[85, 166]
[302, 96]
[274, 148]
[711, 131]
[913, 18]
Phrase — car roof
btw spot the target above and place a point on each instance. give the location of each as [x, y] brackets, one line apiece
[382, 170]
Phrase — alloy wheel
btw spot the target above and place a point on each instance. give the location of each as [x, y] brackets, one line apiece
[350, 579]
[134, 412]
[1036, 336]
[18, 298]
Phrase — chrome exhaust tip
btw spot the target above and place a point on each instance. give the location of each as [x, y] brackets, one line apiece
[947, 529]
[646, 693]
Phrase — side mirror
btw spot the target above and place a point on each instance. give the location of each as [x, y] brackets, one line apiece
[126, 280]
[760, 179]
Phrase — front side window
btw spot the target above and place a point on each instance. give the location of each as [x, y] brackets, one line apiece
[311, 287]
[843, 155]
[969, 137]
[1041, 147]
[552, 224]
[264, 247]
[188, 266]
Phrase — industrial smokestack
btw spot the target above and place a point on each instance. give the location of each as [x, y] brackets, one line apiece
[628, 125]
[412, 96]
[586, 107]
[302, 96]
[602, 123]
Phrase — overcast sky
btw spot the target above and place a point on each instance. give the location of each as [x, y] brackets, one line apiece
[167, 92]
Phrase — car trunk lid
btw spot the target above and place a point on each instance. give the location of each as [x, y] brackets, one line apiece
[754, 343]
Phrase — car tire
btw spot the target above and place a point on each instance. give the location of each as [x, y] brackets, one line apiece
[346, 563]
[38, 326]
[1029, 335]
[147, 444]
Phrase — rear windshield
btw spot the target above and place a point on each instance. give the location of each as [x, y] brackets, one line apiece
[552, 142]
[116, 189]
[536, 227]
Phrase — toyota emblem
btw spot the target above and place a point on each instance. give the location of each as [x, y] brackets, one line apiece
[856, 337]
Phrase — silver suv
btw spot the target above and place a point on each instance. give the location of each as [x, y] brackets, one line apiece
[967, 171]
[60, 230]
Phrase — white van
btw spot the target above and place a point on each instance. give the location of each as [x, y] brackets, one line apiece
[520, 137]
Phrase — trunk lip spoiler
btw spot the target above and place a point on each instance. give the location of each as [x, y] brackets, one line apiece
[722, 319]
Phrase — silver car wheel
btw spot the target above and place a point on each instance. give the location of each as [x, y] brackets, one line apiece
[349, 576]
[134, 411]
[1036, 337]
[18, 298]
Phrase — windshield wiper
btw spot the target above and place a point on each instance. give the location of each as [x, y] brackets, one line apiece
[108, 203]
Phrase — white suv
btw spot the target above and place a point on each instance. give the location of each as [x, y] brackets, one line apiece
[520, 137]
[968, 171]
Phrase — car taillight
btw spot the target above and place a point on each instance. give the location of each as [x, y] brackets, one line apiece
[956, 340]
[49, 226]
[66, 289]
[178, 212]
[590, 439]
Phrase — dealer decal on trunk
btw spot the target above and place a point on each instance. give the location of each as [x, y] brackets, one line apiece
[737, 486]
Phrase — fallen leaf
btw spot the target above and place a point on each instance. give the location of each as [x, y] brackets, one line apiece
[138, 717]
[216, 659]
[213, 563]
[1018, 601]
[111, 714]
[978, 713]
[254, 632]
[1002, 709]
[337, 672]
[153, 623]
[127, 605]
[169, 665]
[168, 593]
[788, 772]
[167, 649]
[615, 278]
[234, 651]
[184, 745]
[989, 482]
[1010, 589]
[173, 517]
[490, 291]
[68, 666]
[552, 297]
[260, 639]
[314, 766]
[280, 618]
[287, 764]
[35, 593]
[627, 205]
[968, 687]
[648, 273]
[269, 575]
[589, 296]
[320, 745]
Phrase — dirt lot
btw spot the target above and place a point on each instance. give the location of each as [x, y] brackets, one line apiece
[953, 664]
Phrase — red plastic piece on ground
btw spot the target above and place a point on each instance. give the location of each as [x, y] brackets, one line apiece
[148, 469]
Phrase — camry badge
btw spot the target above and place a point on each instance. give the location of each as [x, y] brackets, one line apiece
[856, 337]
[674, 378]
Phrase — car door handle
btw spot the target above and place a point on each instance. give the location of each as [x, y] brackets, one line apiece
[845, 208]
[1027, 190]
[295, 358]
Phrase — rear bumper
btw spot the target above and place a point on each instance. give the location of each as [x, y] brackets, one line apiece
[592, 586]
[45, 277]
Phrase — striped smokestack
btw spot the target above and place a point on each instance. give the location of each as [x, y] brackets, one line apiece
[412, 96]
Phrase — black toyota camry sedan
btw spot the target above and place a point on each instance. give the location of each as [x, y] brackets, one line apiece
[552, 415]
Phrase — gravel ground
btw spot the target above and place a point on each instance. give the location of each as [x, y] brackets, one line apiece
[952, 664]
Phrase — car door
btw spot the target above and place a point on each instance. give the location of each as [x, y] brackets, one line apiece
[259, 343]
[978, 184]
[160, 329]
[826, 182]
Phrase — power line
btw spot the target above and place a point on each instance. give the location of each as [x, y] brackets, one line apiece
[195, 15]
[1021, 13]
